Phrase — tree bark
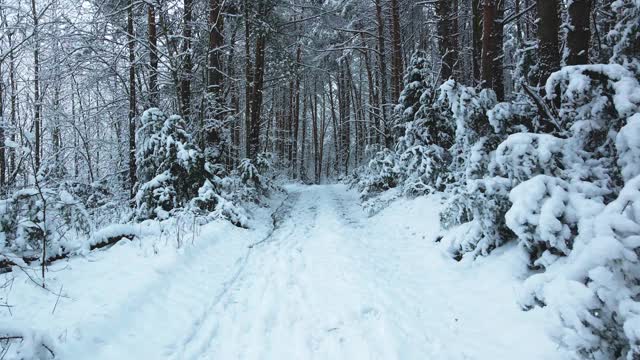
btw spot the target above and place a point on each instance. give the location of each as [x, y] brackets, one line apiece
[397, 50]
[36, 86]
[153, 55]
[296, 116]
[3, 123]
[344, 101]
[13, 104]
[248, 92]
[215, 79]
[447, 12]
[383, 75]
[477, 13]
[579, 33]
[373, 97]
[548, 45]
[132, 100]
[256, 104]
[187, 64]
[492, 78]
[314, 132]
[303, 141]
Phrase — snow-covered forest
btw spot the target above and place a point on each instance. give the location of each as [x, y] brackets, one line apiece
[320, 179]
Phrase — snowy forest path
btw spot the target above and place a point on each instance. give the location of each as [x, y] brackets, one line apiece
[331, 283]
[298, 297]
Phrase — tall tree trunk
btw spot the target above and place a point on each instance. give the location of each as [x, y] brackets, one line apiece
[234, 102]
[3, 124]
[13, 104]
[334, 123]
[187, 64]
[132, 100]
[397, 50]
[215, 79]
[383, 74]
[56, 134]
[447, 12]
[172, 50]
[344, 96]
[36, 86]
[373, 97]
[153, 55]
[477, 13]
[579, 32]
[248, 92]
[282, 128]
[548, 46]
[256, 105]
[323, 129]
[289, 126]
[492, 78]
[303, 141]
[296, 116]
[314, 131]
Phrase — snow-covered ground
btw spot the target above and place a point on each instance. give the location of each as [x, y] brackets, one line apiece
[328, 283]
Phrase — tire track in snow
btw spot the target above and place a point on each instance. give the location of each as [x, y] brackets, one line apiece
[205, 326]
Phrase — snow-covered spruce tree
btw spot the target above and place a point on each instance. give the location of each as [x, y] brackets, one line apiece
[252, 173]
[594, 291]
[582, 223]
[421, 158]
[477, 196]
[45, 216]
[423, 151]
[172, 168]
[561, 182]
[380, 175]
[416, 81]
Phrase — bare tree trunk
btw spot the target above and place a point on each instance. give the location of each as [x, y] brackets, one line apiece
[314, 132]
[132, 100]
[344, 90]
[323, 128]
[303, 141]
[548, 46]
[187, 64]
[447, 12]
[283, 123]
[579, 32]
[36, 86]
[234, 103]
[256, 105]
[373, 98]
[397, 50]
[289, 126]
[296, 116]
[248, 92]
[383, 74]
[477, 13]
[13, 109]
[3, 124]
[334, 122]
[215, 79]
[492, 47]
[173, 54]
[153, 55]
[56, 135]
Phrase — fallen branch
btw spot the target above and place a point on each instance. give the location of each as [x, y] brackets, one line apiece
[542, 106]
[21, 338]
[6, 264]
